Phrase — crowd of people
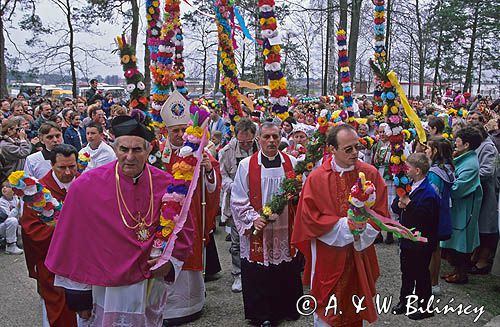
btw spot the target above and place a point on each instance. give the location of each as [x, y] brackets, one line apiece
[453, 202]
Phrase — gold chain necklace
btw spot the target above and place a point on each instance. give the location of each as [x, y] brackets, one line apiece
[141, 224]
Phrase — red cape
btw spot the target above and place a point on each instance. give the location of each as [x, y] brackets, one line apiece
[195, 261]
[36, 240]
[339, 270]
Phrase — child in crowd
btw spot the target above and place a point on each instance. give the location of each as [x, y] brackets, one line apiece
[419, 210]
[215, 144]
[10, 212]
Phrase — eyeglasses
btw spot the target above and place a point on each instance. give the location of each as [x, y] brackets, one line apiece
[351, 148]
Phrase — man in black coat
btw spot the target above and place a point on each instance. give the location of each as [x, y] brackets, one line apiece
[93, 94]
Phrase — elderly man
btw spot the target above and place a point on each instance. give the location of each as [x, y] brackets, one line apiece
[186, 297]
[270, 270]
[37, 237]
[38, 164]
[101, 251]
[240, 147]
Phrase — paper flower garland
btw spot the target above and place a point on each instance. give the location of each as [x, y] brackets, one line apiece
[167, 63]
[361, 198]
[83, 161]
[390, 110]
[272, 58]
[36, 196]
[345, 76]
[223, 13]
[138, 98]
[380, 55]
[182, 172]
[134, 78]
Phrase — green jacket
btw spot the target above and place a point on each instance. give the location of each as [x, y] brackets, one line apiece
[466, 195]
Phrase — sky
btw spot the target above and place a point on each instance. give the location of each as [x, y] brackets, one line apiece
[50, 13]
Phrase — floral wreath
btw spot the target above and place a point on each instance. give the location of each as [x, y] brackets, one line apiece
[35, 196]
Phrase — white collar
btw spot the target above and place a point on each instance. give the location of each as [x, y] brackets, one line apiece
[136, 178]
[339, 169]
[62, 186]
[270, 158]
[416, 185]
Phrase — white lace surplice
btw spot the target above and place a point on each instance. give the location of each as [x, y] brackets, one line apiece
[276, 243]
[125, 305]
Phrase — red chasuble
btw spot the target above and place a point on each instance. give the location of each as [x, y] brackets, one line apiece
[255, 193]
[195, 261]
[36, 240]
[339, 271]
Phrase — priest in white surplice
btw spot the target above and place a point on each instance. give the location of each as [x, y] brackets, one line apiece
[270, 271]
[38, 164]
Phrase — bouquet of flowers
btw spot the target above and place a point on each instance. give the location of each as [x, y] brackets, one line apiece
[362, 198]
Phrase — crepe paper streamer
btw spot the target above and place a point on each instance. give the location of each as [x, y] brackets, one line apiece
[390, 225]
[243, 27]
[247, 101]
[253, 86]
[406, 105]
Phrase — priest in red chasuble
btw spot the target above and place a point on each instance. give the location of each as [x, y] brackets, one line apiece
[186, 298]
[270, 270]
[337, 262]
[37, 236]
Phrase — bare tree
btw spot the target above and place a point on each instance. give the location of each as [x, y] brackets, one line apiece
[203, 34]
[60, 52]
[7, 10]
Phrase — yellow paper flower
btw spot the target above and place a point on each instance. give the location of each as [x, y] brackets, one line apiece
[265, 52]
[310, 166]
[299, 178]
[236, 118]
[15, 176]
[283, 115]
[322, 121]
[267, 211]
[394, 110]
[195, 131]
[168, 228]
[445, 135]
[396, 160]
